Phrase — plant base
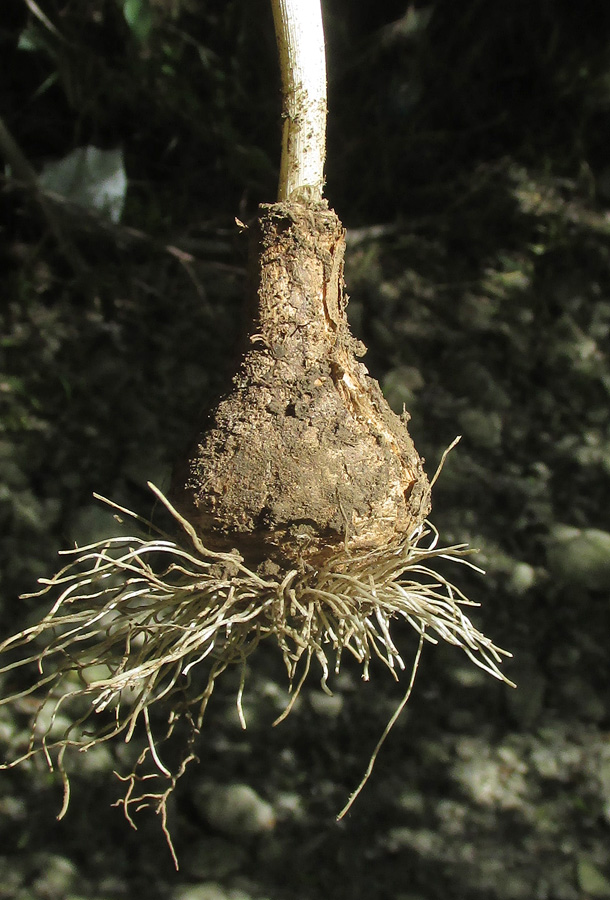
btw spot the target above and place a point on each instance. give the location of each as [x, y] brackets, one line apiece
[303, 455]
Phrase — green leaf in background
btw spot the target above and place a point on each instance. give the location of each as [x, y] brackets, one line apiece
[138, 16]
[94, 178]
[29, 40]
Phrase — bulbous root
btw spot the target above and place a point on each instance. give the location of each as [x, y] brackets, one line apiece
[144, 626]
[313, 503]
[303, 455]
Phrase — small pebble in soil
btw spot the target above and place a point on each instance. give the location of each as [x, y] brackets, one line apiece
[56, 875]
[235, 809]
[212, 858]
[591, 880]
[580, 557]
[327, 705]
[209, 890]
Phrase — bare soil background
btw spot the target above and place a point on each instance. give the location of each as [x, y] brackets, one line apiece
[467, 158]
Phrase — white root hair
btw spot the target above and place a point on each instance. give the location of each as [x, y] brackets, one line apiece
[143, 622]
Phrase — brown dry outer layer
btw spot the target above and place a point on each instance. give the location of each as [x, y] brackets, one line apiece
[303, 455]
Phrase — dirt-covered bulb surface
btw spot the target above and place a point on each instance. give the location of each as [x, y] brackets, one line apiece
[303, 455]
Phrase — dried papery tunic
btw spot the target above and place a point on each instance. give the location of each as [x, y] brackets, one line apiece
[303, 454]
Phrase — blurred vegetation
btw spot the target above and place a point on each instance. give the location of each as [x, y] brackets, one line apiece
[467, 156]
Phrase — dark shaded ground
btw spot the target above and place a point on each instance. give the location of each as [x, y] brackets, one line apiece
[467, 159]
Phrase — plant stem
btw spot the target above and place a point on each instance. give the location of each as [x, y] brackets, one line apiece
[300, 39]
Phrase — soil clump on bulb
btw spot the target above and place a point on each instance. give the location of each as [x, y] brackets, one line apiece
[303, 457]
